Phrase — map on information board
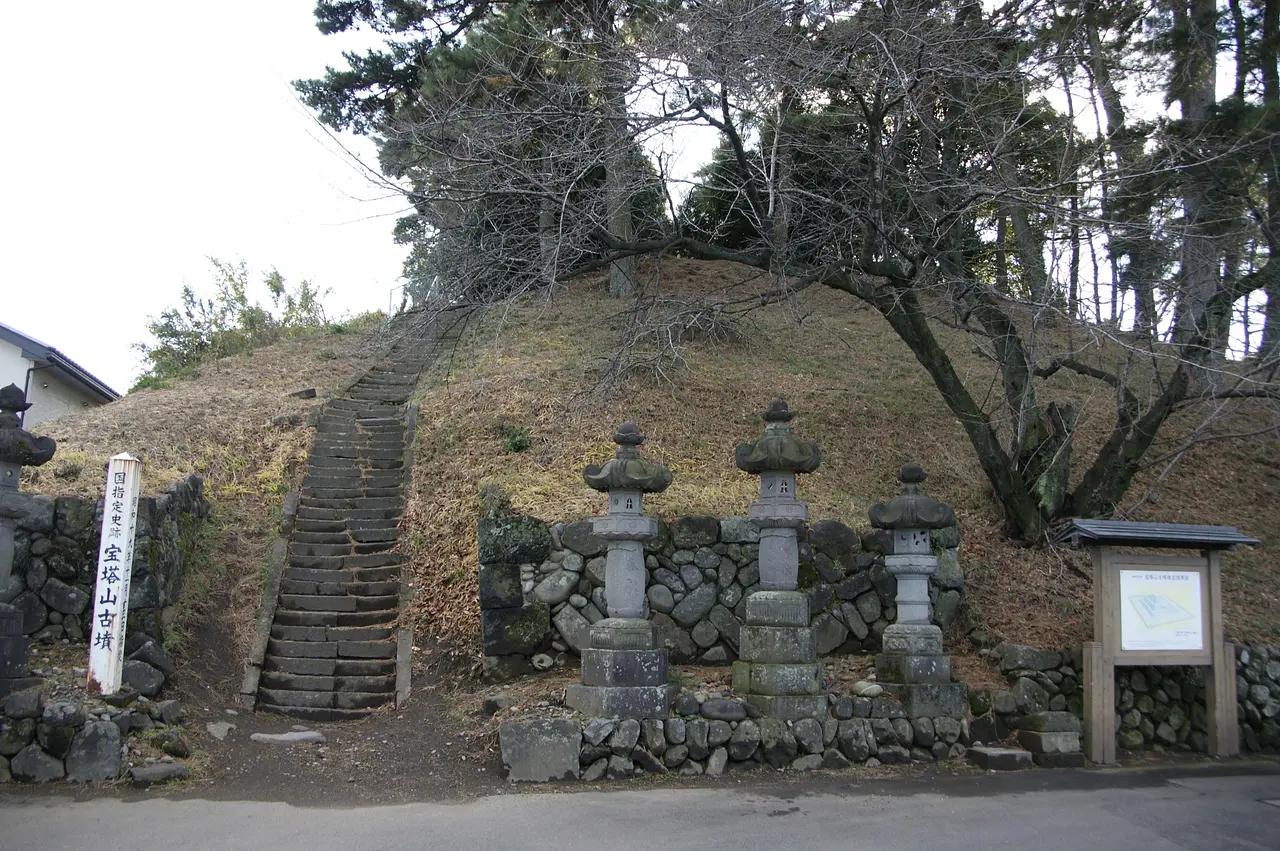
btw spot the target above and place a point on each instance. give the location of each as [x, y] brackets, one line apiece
[1160, 610]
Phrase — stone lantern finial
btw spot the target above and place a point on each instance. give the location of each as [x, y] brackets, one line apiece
[911, 509]
[628, 471]
[778, 449]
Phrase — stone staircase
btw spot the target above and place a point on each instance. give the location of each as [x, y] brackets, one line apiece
[332, 649]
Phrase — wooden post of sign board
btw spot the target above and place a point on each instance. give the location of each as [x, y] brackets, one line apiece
[1099, 707]
[1220, 685]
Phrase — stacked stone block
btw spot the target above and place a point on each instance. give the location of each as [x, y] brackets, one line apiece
[514, 625]
[1053, 738]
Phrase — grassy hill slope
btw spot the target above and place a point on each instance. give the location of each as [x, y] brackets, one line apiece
[856, 390]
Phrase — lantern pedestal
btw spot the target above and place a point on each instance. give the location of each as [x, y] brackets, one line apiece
[778, 672]
[912, 645]
[623, 674]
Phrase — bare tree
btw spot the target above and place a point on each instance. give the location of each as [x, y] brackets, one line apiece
[900, 151]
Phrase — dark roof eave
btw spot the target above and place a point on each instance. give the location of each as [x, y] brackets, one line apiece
[1123, 533]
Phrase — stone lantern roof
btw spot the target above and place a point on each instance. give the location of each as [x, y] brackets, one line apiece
[18, 446]
[911, 509]
[628, 471]
[778, 450]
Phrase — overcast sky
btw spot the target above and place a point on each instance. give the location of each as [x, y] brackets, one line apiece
[141, 138]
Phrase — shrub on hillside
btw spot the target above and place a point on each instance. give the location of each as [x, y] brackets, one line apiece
[200, 330]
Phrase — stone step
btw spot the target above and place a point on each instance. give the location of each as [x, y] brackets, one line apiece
[338, 494]
[366, 649]
[353, 506]
[350, 562]
[333, 426]
[322, 463]
[391, 453]
[300, 682]
[310, 513]
[304, 549]
[374, 589]
[362, 575]
[356, 406]
[378, 574]
[388, 602]
[354, 478]
[304, 536]
[375, 535]
[288, 618]
[304, 713]
[370, 617]
[380, 394]
[293, 587]
[283, 632]
[300, 665]
[322, 699]
[318, 603]
[367, 529]
[315, 526]
[310, 574]
[303, 649]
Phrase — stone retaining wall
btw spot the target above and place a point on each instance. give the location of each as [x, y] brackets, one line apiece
[1156, 707]
[56, 554]
[45, 738]
[541, 587]
[710, 733]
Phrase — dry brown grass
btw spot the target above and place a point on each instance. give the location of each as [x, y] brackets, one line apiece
[857, 391]
[236, 426]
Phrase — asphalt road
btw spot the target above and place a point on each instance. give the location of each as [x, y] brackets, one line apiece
[1229, 807]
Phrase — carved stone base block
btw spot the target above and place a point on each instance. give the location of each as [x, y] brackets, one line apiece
[758, 678]
[931, 700]
[778, 608]
[624, 667]
[908, 668]
[790, 707]
[622, 634]
[637, 702]
[913, 639]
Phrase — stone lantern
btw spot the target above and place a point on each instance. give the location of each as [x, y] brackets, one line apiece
[913, 666]
[18, 448]
[778, 672]
[624, 672]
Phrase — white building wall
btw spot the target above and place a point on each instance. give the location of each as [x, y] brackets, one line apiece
[50, 397]
[13, 366]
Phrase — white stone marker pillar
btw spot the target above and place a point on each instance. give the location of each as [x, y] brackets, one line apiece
[115, 565]
[624, 674]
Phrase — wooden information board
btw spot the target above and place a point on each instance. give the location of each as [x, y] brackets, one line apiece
[1157, 610]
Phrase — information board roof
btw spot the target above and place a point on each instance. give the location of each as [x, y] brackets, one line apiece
[1127, 533]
